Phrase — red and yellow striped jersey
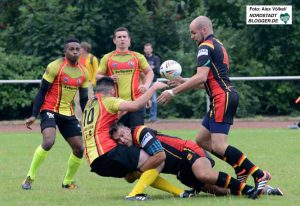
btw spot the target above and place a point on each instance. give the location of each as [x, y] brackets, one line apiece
[98, 115]
[65, 79]
[127, 66]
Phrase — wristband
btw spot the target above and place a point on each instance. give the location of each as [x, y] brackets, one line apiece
[170, 91]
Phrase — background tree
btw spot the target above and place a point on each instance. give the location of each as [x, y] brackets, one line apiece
[32, 33]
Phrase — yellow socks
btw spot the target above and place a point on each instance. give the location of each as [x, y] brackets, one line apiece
[73, 165]
[145, 180]
[38, 158]
[162, 184]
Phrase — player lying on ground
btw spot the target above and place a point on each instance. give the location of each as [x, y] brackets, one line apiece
[104, 155]
[185, 159]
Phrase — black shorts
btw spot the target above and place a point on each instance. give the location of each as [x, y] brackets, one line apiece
[185, 174]
[133, 119]
[67, 125]
[117, 162]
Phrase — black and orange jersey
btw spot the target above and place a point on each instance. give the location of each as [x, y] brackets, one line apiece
[177, 150]
[97, 117]
[127, 65]
[65, 79]
[212, 54]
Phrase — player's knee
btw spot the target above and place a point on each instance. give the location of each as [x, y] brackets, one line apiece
[205, 177]
[219, 147]
[78, 151]
[47, 144]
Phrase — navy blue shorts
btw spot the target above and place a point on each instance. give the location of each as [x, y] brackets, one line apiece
[215, 127]
[67, 125]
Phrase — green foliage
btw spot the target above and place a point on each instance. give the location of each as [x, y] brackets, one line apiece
[33, 28]
[14, 98]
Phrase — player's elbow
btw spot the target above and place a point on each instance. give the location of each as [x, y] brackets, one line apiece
[161, 157]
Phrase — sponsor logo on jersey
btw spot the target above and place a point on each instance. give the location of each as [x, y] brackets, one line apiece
[131, 63]
[146, 139]
[189, 156]
[115, 65]
[66, 80]
[202, 52]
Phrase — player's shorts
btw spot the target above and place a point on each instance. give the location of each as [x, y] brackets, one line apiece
[215, 127]
[117, 162]
[185, 173]
[223, 107]
[67, 125]
[133, 119]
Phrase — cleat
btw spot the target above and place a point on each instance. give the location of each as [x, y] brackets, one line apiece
[71, 186]
[188, 193]
[242, 176]
[138, 197]
[26, 185]
[260, 184]
[272, 191]
[250, 192]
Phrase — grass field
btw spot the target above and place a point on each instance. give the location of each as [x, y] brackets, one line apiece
[276, 150]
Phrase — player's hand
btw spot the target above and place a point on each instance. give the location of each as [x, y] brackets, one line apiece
[142, 88]
[175, 82]
[115, 78]
[164, 97]
[29, 122]
[149, 104]
[159, 85]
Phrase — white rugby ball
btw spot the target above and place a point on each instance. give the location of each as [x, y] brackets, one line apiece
[170, 69]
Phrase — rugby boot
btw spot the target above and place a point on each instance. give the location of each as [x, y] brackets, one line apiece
[26, 185]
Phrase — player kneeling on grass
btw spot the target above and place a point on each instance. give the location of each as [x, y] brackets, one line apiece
[184, 158]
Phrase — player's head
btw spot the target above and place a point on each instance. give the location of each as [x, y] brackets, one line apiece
[106, 86]
[72, 49]
[148, 49]
[121, 39]
[86, 46]
[200, 28]
[121, 134]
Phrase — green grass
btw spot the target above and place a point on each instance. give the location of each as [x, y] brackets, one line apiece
[276, 150]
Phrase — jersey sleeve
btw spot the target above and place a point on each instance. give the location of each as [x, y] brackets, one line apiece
[86, 79]
[143, 63]
[95, 68]
[103, 64]
[147, 140]
[114, 104]
[204, 58]
[51, 72]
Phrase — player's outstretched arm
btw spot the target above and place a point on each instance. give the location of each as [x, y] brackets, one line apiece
[140, 102]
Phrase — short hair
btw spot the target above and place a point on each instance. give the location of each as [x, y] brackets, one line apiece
[114, 128]
[120, 29]
[148, 44]
[68, 40]
[86, 46]
[104, 84]
[71, 39]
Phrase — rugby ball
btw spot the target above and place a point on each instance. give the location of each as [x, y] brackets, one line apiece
[170, 69]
